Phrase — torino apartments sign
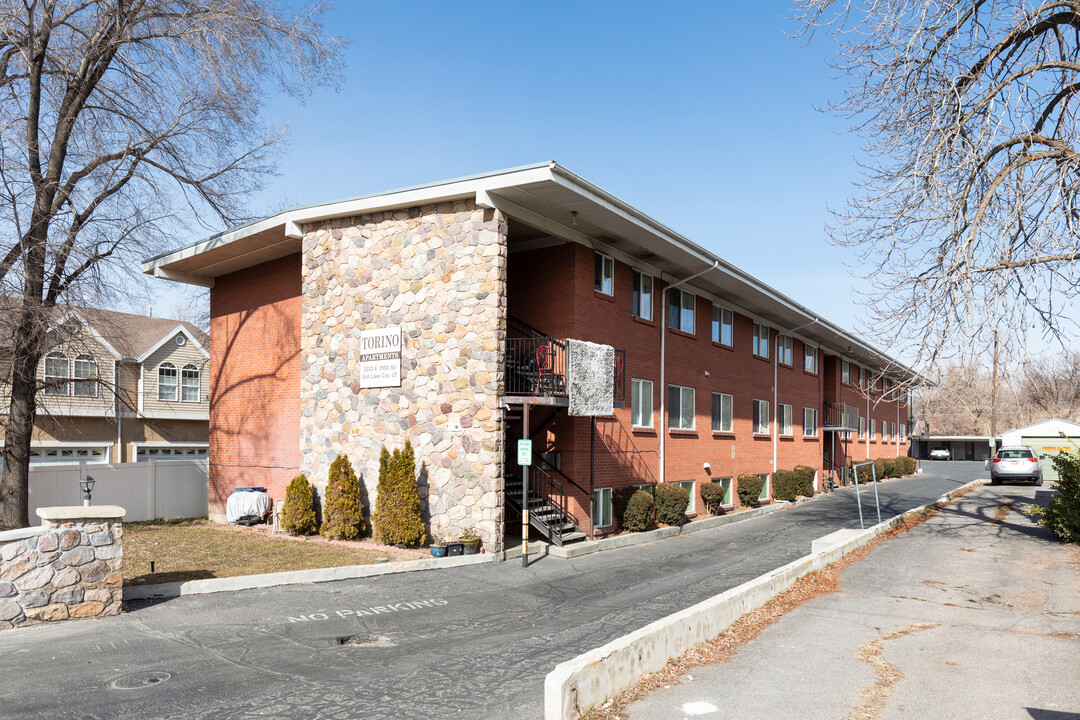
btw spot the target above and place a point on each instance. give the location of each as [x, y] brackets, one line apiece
[380, 358]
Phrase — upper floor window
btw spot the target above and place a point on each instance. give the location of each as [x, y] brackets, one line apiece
[641, 403]
[903, 432]
[57, 370]
[86, 373]
[784, 419]
[680, 407]
[642, 295]
[167, 381]
[845, 372]
[862, 427]
[761, 417]
[784, 352]
[809, 422]
[189, 384]
[605, 274]
[809, 355]
[721, 412]
[721, 325]
[681, 310]
[761, 340]
[863, 374]
[873, 429]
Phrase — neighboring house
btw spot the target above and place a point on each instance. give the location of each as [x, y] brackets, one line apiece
[442, 313]
[1047, 439]
[117, 387]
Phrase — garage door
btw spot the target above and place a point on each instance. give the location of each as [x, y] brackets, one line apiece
[1046, 448]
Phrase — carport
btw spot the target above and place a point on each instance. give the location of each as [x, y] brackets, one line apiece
[1046, 438]
[961, 447]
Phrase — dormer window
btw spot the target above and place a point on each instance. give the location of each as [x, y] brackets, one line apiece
[189, 383]
[167, 382]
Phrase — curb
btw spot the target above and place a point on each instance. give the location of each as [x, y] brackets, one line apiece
[297, 577]
[586, 681]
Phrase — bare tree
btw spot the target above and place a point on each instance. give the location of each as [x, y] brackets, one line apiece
[966, 219]
[122, 122]
[1052, 385]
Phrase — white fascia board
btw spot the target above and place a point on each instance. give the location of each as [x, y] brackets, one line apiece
[64, 443]
[292, 221]
[94, 333]
[171, 334]
[167, 443]
[73, 412]
[176, 415]
[182, 277]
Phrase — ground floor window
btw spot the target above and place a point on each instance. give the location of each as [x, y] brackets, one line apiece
[175, 452]
[688, 486]
[764, 486]
[68, 455]
[601, 507]
[724, 482]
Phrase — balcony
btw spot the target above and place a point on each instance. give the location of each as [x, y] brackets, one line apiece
[536, 366]
[839, 417]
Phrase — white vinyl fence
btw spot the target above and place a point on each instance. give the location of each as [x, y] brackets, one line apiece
[159, 489]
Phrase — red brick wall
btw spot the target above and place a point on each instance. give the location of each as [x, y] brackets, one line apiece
[854, 449]
[552, 290]
[255, 379]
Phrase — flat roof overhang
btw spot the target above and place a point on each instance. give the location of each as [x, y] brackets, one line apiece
[561, 206]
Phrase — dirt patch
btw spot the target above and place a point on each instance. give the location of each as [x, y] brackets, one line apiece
[1003, 510]
[886, 675]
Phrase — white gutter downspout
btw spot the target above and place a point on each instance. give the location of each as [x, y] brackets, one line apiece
[868, 438]
[116, 404]
[663, 359]
[896, 435]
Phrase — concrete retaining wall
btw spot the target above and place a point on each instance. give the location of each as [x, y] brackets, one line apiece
[589, 679]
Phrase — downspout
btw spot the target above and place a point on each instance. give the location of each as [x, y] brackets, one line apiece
[663, 361]
[896, 435]
[868, 438]
[116, 404]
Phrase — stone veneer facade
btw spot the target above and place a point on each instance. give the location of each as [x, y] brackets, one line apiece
[70, 567]
[438, 272]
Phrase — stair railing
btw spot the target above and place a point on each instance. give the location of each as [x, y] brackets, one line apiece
[546, 488]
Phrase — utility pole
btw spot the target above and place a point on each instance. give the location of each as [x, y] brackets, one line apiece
[993, 399]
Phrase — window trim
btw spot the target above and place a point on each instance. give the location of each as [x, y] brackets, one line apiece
[873, 429]
[785, 350]
[604, 508]
[786, 427]
[813, 415]
[184, 375]
[726, 483]
[606, 262]
[862, 428]
[57, 385]
[760, 342]
[758, 427]
[637, 294]
[718, 420]
[845, 372]
[635, 392]
[693, 410]
[718, 326]
[682, 306]
[690, 506]
[88, 381]
[167, 366]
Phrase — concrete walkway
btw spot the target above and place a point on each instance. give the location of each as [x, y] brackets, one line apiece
[973, 614]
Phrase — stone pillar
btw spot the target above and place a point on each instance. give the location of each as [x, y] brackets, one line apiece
[70, 567]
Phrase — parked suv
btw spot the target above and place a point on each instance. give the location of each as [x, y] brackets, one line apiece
[940, 454]
[1016, 463]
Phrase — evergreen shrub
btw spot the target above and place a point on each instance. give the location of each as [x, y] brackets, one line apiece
[713, 495]
[638, 515]
[909, 465]
[671, 503]
[620, 499]
[807, 475]
[343, 514]
[894, 467]
[789, 484]
[397, 519]
[749, 489]
[298, 512]
[1062, 516]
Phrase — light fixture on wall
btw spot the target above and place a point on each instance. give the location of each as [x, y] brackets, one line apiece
[707, 467]
[573, 217]
[706, 373]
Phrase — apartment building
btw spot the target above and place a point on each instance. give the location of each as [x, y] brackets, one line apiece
[442, 313]
[118, 387]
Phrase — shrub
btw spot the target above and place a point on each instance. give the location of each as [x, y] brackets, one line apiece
[298, 512]
[879, 468]
[909, 465]
[789, 484]
[397, 519]
[620, 500]
[807, 475]
[749, 489]
[1062, 516]
[638, 515]
[713, 495]
[671, 503]
[894, 467]
[343, 514]
[866, 473]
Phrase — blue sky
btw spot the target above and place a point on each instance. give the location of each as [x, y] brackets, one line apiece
[701, 114]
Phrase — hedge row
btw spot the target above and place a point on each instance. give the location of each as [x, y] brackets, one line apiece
[886, 467]
[789, 484]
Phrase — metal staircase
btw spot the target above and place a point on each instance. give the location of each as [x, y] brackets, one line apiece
[547, 505]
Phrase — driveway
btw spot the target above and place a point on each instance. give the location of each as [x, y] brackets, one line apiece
[470, 642]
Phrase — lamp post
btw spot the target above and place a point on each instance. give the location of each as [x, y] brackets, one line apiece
[86, 484]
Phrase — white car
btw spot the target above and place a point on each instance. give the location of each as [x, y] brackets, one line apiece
[940, 454]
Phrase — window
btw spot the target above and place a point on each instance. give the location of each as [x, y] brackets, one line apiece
[783, 350]
[862, 427]
[764, 486]
[761, 417]
[688, 486]
[721, 412]
[873, 428]
[605, 275]
[903, 432]
[681, 310]
[783, 417]
[641, 403]
[892, 431]
[845, 372]
[85, 384]
[642, 295]
[680, 407]
[721, 325]
[601, 507]
[551, 459]
[809, 358]
[724, 482]
[56, 374]
[189, 384]
[809, 422]
[862, 378]
[166, 389]
[761, 340]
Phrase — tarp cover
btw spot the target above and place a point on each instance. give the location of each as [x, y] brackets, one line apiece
[590, 371]
[246, 504]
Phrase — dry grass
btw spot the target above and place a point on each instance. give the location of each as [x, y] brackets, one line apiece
[886, 675]
[724, 646]
[197, 549]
